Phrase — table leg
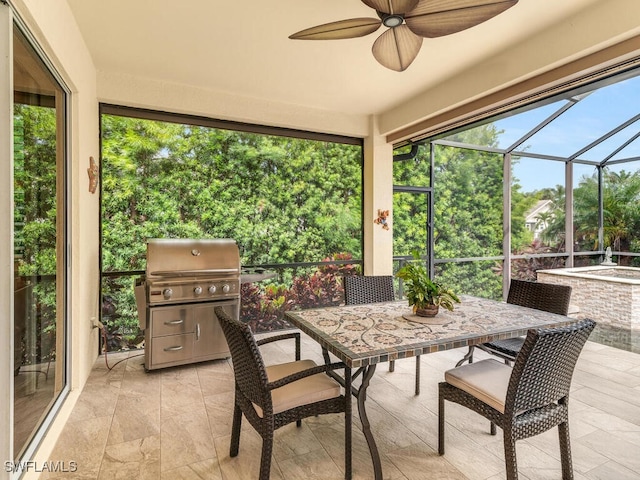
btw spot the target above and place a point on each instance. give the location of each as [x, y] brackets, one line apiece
[348, 464]
[366, 426]
[361, 396]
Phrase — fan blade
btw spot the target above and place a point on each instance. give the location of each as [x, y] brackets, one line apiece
[436, 18]
[397, 7]
[397, 48]
[352, 28]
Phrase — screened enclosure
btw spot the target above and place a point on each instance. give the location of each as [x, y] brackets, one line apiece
[548, 186]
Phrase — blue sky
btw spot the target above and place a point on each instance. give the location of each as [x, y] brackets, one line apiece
[592, 117]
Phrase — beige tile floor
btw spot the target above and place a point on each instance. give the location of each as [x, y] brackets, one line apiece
[175, 424]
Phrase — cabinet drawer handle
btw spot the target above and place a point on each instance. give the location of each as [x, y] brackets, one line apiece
[197, 331]
[174, 322]
[173, 349]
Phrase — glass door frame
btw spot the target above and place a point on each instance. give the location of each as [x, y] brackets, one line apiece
[430, 260]
[10, 21]
[6, 234]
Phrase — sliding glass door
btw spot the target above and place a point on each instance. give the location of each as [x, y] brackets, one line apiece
[39, 242]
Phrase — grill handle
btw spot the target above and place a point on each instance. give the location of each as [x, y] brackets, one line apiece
[203, 272]
[173, 349]
[174, 322]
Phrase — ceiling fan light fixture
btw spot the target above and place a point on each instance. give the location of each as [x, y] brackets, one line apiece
[392, 21]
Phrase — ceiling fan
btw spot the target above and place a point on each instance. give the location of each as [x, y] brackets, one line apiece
[408, 22]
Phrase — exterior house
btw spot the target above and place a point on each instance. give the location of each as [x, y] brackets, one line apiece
[257, 76]
[535, 219]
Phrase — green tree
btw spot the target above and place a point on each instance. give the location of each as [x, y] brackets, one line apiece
[621, 197]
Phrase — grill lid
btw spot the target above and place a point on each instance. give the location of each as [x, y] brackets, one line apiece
[177, 257]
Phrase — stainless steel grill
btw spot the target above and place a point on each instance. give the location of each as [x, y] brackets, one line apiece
[184, 281]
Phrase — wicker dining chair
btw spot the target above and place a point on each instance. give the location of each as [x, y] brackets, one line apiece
[526, 400]
[360, 289]
[541, 296]
[276, 395]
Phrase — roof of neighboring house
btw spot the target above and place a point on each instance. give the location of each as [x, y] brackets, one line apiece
[542, 206]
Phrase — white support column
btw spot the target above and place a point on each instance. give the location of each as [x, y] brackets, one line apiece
[378, 195]
[6, 236]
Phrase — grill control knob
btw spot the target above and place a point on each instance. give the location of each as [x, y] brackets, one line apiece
[212, 289]
[226, 288]
[167, 292]
[197, 290]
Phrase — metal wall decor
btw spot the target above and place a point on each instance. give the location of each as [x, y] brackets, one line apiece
[382, 219]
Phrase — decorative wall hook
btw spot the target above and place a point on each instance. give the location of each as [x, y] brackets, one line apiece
[382, 219]
[93, 172]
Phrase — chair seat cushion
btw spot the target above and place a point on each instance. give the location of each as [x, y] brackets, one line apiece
[486, 380]
[301, 392]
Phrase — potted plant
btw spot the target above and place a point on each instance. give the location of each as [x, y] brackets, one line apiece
[425, 295]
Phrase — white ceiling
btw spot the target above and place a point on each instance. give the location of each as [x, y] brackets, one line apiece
[242, 48]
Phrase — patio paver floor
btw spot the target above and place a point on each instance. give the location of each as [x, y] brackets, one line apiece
[175, 424]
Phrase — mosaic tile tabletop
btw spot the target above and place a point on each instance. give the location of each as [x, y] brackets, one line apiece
[362, 335]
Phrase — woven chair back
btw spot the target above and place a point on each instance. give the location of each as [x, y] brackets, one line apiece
[359, 289]
[248, 366]
[541, 296]
[543, 370]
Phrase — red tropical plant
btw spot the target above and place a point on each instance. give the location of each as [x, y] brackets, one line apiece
[263, 307]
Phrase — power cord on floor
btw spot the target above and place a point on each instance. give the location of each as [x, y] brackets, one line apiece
[106, 362]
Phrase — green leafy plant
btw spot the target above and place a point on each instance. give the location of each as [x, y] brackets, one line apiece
[420, 290]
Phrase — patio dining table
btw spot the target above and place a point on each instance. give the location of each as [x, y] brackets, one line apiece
[362, 336]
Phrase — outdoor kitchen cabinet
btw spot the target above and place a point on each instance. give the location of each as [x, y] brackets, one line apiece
[183, 334]
[209, 342]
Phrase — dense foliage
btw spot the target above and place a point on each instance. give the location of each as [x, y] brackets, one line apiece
[284, 200]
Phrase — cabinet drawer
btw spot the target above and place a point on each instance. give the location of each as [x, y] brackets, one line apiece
[171, 321]
[172, 348]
